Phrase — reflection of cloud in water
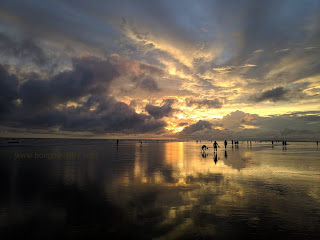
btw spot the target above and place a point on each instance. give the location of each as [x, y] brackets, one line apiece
[200, 198]
[164, 191]
[237, 159]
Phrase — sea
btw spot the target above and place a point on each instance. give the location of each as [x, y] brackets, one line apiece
[158, 189]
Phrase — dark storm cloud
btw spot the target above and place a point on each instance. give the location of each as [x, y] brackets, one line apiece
[109, 116]
[196, 127]
[22, 49]
[214, 103]
[289, 132]
[274, 95]
[8, 91]
[294, 126]
[43, 102]
[149, 84]
[165, 110]
[89, 76]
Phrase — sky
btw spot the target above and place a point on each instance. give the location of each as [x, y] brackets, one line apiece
[246, 70]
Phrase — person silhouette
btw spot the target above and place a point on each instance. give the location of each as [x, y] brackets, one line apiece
[204, 147]
[225, 143]
[225, 154]
[215, 146]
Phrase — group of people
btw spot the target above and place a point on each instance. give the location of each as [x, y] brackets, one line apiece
[216, 145]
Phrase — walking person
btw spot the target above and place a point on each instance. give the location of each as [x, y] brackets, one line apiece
[215, 146]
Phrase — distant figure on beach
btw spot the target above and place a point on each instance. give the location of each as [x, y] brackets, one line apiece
[204, 147]
[215, 146]
[317, 143]
[117, 142]
[232, 142]
[225, 143]
[272, 142]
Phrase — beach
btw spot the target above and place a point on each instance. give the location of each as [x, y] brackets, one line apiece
[85, 188]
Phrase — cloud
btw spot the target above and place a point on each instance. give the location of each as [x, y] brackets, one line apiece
[196, 127]
[290, 132]
[149, 84]
[214, 103]
[89, 76]
[282, 50]
[108, 116]
[165, 110]
[294, 126]
[273, 95]
[227, 69]
[210, 55]
[25, 49]
[8, 91]
[258, 51]
[43, 103]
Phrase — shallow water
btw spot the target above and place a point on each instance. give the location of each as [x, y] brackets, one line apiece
[158, 190]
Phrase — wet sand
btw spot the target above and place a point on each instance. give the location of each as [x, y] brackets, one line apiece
[88, 189]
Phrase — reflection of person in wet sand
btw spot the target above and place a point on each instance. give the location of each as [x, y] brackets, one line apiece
[204, 155]
[225, 154]
[215, 157]
[215, 146]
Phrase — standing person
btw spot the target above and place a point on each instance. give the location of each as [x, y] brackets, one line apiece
[317, 143]
[225, 143]
[215, 146]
